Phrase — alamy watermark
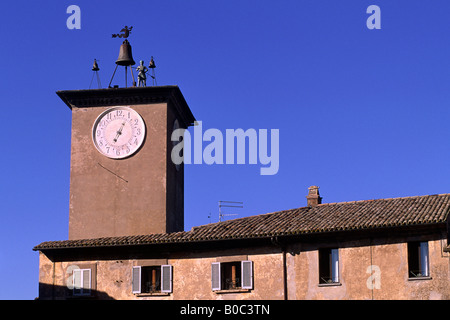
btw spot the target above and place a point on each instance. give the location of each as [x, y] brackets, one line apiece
[70, 272]
[374, 280]
[74, 20]
[374, 20]
[239, 145]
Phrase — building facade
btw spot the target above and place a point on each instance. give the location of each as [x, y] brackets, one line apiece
[328, 251]
[127, 238]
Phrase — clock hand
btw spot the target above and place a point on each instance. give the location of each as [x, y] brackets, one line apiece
[119, 132]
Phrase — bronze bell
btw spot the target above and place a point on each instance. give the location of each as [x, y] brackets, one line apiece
[95, 66]
[125, 56]
[152, 64]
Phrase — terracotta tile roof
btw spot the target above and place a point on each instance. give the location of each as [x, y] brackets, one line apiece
[328, 217]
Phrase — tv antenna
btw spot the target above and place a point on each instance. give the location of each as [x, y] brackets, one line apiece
[228, 204]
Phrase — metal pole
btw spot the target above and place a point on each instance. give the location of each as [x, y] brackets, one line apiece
[132, 75]
[98, 80]
[109, 86]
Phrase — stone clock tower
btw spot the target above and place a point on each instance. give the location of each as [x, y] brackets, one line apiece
[122, 179]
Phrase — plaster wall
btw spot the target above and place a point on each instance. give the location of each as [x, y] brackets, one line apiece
[124, 197]
[367, 270]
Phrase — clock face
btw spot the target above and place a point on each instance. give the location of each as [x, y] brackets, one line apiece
[118, 132]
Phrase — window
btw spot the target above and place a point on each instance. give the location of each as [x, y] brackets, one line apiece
[232, 275]
[81, 282]
[152, 279]
[418, 259]
[328, 266]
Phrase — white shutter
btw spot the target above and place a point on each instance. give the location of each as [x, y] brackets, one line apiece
[166, 278]
[136, 281]
[81, 280]
[335, 265]
[424, 259]
[77, 281]
[246, 274]
[215, 276]
[86, 281]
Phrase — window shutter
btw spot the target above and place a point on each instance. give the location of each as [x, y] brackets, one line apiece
[424, 259]
[215, 276]
[86, 281]
[247, 274]
[136, 281]
[334, 265]
[166, 278]
[76, 281]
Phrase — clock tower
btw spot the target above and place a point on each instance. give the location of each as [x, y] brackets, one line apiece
[122, 179]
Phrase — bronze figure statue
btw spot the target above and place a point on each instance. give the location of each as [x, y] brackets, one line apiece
[142, 77]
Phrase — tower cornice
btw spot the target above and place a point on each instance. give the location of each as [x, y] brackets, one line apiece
[129, 96]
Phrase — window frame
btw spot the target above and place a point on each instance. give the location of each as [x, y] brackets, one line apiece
[418, 260]
[328, 261]
[165, 279]
[82, 291]
[222, 272]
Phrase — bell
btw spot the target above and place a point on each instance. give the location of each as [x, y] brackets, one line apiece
[125, 57]
[152, 64]
[95, 66]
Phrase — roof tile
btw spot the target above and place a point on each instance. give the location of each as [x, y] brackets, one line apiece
[326, 217]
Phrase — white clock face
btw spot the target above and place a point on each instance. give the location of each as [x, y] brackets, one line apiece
[118, 132]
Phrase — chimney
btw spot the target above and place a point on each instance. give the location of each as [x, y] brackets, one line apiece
[313, 198]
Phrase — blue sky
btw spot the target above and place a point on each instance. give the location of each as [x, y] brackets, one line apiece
[361, 113]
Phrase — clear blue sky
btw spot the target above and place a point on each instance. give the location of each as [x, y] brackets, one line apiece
[361, 113]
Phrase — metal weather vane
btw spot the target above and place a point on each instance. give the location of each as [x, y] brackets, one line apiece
[126, 60]
[126, 33]
[125, 57]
